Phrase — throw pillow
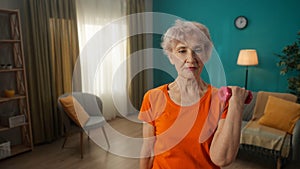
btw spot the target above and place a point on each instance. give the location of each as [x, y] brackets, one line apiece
[280, 114]
[74, 110]
[262, 98]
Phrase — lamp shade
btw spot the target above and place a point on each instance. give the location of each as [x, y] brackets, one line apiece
[247, 57]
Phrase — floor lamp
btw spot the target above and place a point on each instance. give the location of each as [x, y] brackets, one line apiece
[247, 57]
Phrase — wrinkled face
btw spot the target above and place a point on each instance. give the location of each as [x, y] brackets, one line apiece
[187, 58]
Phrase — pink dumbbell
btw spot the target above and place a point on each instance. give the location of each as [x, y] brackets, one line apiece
[225, 93]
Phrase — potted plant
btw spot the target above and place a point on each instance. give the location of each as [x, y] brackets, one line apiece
[290, 65]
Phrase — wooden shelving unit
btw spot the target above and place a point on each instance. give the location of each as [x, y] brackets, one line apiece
[4, 128]
[13, 76]
[11, 70]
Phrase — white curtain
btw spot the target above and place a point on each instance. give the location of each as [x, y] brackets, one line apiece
[102, 52]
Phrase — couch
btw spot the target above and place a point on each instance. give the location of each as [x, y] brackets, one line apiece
[289, 143]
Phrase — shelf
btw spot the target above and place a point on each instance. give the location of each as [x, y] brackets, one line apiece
[11, 70]
[10, 41]
[13, 74]
[3, 128]
[8, 11]
[16, 149]
[16, 97]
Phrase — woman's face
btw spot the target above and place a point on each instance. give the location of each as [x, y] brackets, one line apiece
[187, 58]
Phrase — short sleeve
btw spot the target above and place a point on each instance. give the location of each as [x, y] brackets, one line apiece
[146, 114]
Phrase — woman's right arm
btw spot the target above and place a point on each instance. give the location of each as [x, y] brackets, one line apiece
[146, 160]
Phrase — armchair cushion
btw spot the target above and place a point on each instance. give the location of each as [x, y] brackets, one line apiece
[280, 114]
[74, 110]
[262, 98]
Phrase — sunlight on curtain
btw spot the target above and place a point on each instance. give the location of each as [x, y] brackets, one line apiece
[92, 16]
[61, 32]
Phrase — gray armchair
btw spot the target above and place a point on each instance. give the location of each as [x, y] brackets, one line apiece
[92, 104]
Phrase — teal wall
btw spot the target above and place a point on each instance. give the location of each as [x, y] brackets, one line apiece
[272, 25]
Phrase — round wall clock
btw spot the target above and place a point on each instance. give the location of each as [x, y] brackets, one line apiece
[241, 22]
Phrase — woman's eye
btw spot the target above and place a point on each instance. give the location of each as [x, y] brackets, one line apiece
[198, 50]
[181, 51]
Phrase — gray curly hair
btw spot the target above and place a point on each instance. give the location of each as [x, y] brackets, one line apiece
[182, 31]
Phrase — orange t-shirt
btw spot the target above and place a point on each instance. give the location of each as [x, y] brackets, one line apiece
[178, 129]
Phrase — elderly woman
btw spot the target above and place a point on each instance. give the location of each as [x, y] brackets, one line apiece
[186, 126]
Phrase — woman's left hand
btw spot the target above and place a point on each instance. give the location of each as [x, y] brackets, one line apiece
[239, 95]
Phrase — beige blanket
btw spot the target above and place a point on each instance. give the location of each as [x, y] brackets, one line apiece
[266, 137]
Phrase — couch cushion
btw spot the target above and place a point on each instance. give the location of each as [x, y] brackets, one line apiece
[280, 114]
[74, 110]
[262, 98]
[266, 137]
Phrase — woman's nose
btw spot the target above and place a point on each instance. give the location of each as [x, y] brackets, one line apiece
[191, 57]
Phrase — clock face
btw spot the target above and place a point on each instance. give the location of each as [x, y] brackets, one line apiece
[241, 22]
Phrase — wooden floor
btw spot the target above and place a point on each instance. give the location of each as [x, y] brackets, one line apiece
[51, 156]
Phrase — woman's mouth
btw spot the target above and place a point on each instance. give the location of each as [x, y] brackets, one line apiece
[192, 68]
